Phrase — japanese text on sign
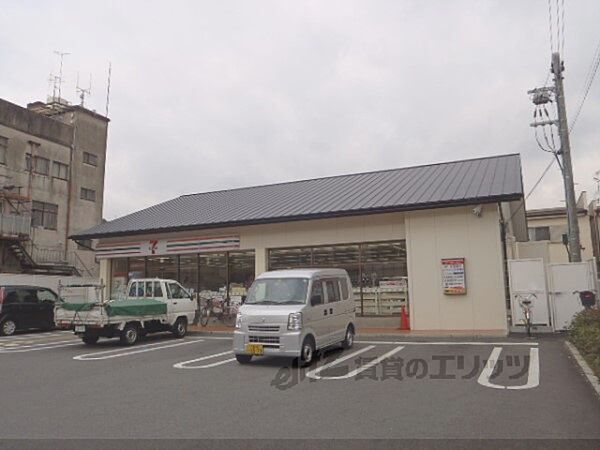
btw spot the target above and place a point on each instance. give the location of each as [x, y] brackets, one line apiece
[453, 276]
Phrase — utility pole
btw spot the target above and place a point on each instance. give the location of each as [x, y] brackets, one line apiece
[567, 167]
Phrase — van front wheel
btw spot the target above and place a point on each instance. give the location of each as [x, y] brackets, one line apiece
[307, 353]
[243, 359]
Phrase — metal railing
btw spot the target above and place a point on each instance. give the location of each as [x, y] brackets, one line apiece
[15, 225]
[56, 255]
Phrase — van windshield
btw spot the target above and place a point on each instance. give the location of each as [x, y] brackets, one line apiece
[278, 291]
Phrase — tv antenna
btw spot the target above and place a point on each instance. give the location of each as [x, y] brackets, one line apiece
[83, 91]
[58, 80]
[108, 88]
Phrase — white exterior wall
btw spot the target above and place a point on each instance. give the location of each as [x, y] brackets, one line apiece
[557, 250]
[452, 233]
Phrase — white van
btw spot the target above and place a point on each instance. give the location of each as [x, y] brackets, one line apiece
[295, 313]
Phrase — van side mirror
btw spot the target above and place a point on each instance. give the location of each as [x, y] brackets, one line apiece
[315, 300]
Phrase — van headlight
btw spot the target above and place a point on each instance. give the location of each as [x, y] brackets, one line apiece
[295, 321]
[238, 321]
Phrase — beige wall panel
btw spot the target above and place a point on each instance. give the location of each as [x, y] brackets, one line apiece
[448, 233]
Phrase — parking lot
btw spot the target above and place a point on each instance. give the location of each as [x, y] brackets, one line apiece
[383, 387]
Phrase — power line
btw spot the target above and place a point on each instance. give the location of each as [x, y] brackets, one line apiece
[550, 26]
[589, 80]
[562, 20]
[537, 183]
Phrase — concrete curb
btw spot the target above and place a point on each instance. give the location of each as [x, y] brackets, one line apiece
[585, 368]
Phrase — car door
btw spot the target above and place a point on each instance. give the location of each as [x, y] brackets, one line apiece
[46, 301]
[12, 306]
[334, 310]
[181, 301]
[30, 313]
[317, 313]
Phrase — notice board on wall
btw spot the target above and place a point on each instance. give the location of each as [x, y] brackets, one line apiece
[453, 276]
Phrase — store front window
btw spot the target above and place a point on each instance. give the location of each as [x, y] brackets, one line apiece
[241, 274]
[210, 275]
[377, 270]
[188, 272]
[289, 258]
[136, 268]
[118, 278]
[213, 275]
[161, 267]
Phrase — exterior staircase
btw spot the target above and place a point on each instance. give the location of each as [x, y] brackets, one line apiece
[30, 265]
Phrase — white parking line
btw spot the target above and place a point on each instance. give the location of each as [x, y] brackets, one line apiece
[36, 336]
[184, 364]
[36, 347]
[533, 375]
[446, 343]
[315, 373]
[109, 354]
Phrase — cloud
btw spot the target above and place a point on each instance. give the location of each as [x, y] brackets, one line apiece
[213, 95]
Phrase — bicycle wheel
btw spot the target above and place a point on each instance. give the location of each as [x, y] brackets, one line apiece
[204, 315]
[528, 324]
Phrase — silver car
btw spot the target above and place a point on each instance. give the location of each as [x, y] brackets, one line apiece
[294, 313]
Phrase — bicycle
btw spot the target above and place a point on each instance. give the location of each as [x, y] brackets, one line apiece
[526, 304]
[221, 308]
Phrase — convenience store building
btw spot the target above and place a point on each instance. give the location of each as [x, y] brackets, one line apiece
[432, 238]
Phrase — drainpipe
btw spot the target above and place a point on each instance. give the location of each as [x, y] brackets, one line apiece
[70, 185]
[504, 257]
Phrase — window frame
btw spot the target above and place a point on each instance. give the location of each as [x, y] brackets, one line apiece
[58, 165]
[36, 165]
[84, 194]
[44, 211]
[3, 150]
[91, 159]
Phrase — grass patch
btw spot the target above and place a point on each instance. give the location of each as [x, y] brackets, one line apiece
[584, 333]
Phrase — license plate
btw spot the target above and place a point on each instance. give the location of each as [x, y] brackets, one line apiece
[79, 329]
[255, 349]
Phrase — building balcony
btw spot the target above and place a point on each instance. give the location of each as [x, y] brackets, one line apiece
[15, 227]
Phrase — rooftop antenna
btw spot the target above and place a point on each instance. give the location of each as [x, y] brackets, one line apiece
[53, 82]
[59, 80]
[108, 88]
[83, 91]
[597, 180]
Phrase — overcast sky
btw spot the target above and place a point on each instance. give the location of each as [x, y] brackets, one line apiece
[221, 94]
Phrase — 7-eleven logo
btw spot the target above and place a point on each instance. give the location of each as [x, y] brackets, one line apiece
[153, 246]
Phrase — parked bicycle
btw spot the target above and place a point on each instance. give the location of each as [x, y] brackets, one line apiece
[526, 303]
[223, 309]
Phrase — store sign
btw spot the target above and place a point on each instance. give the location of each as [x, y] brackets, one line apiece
[168, 247]
[453, 276]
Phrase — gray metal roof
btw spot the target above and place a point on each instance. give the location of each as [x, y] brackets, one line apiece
[490, 179]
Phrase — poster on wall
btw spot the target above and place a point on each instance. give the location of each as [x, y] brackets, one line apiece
[453, 276]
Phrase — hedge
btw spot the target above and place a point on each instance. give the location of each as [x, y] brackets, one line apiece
[585, 335]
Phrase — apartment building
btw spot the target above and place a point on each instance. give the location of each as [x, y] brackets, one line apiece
[52, 165]
[547, 230]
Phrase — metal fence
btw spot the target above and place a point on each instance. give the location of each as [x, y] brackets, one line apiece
[14, 225]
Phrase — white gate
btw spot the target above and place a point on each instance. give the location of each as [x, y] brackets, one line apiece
[528, 276]
[564, 279]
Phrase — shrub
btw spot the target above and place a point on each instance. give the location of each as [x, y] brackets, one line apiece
[585, 335]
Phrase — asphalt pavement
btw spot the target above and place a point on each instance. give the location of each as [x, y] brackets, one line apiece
[53, 386]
